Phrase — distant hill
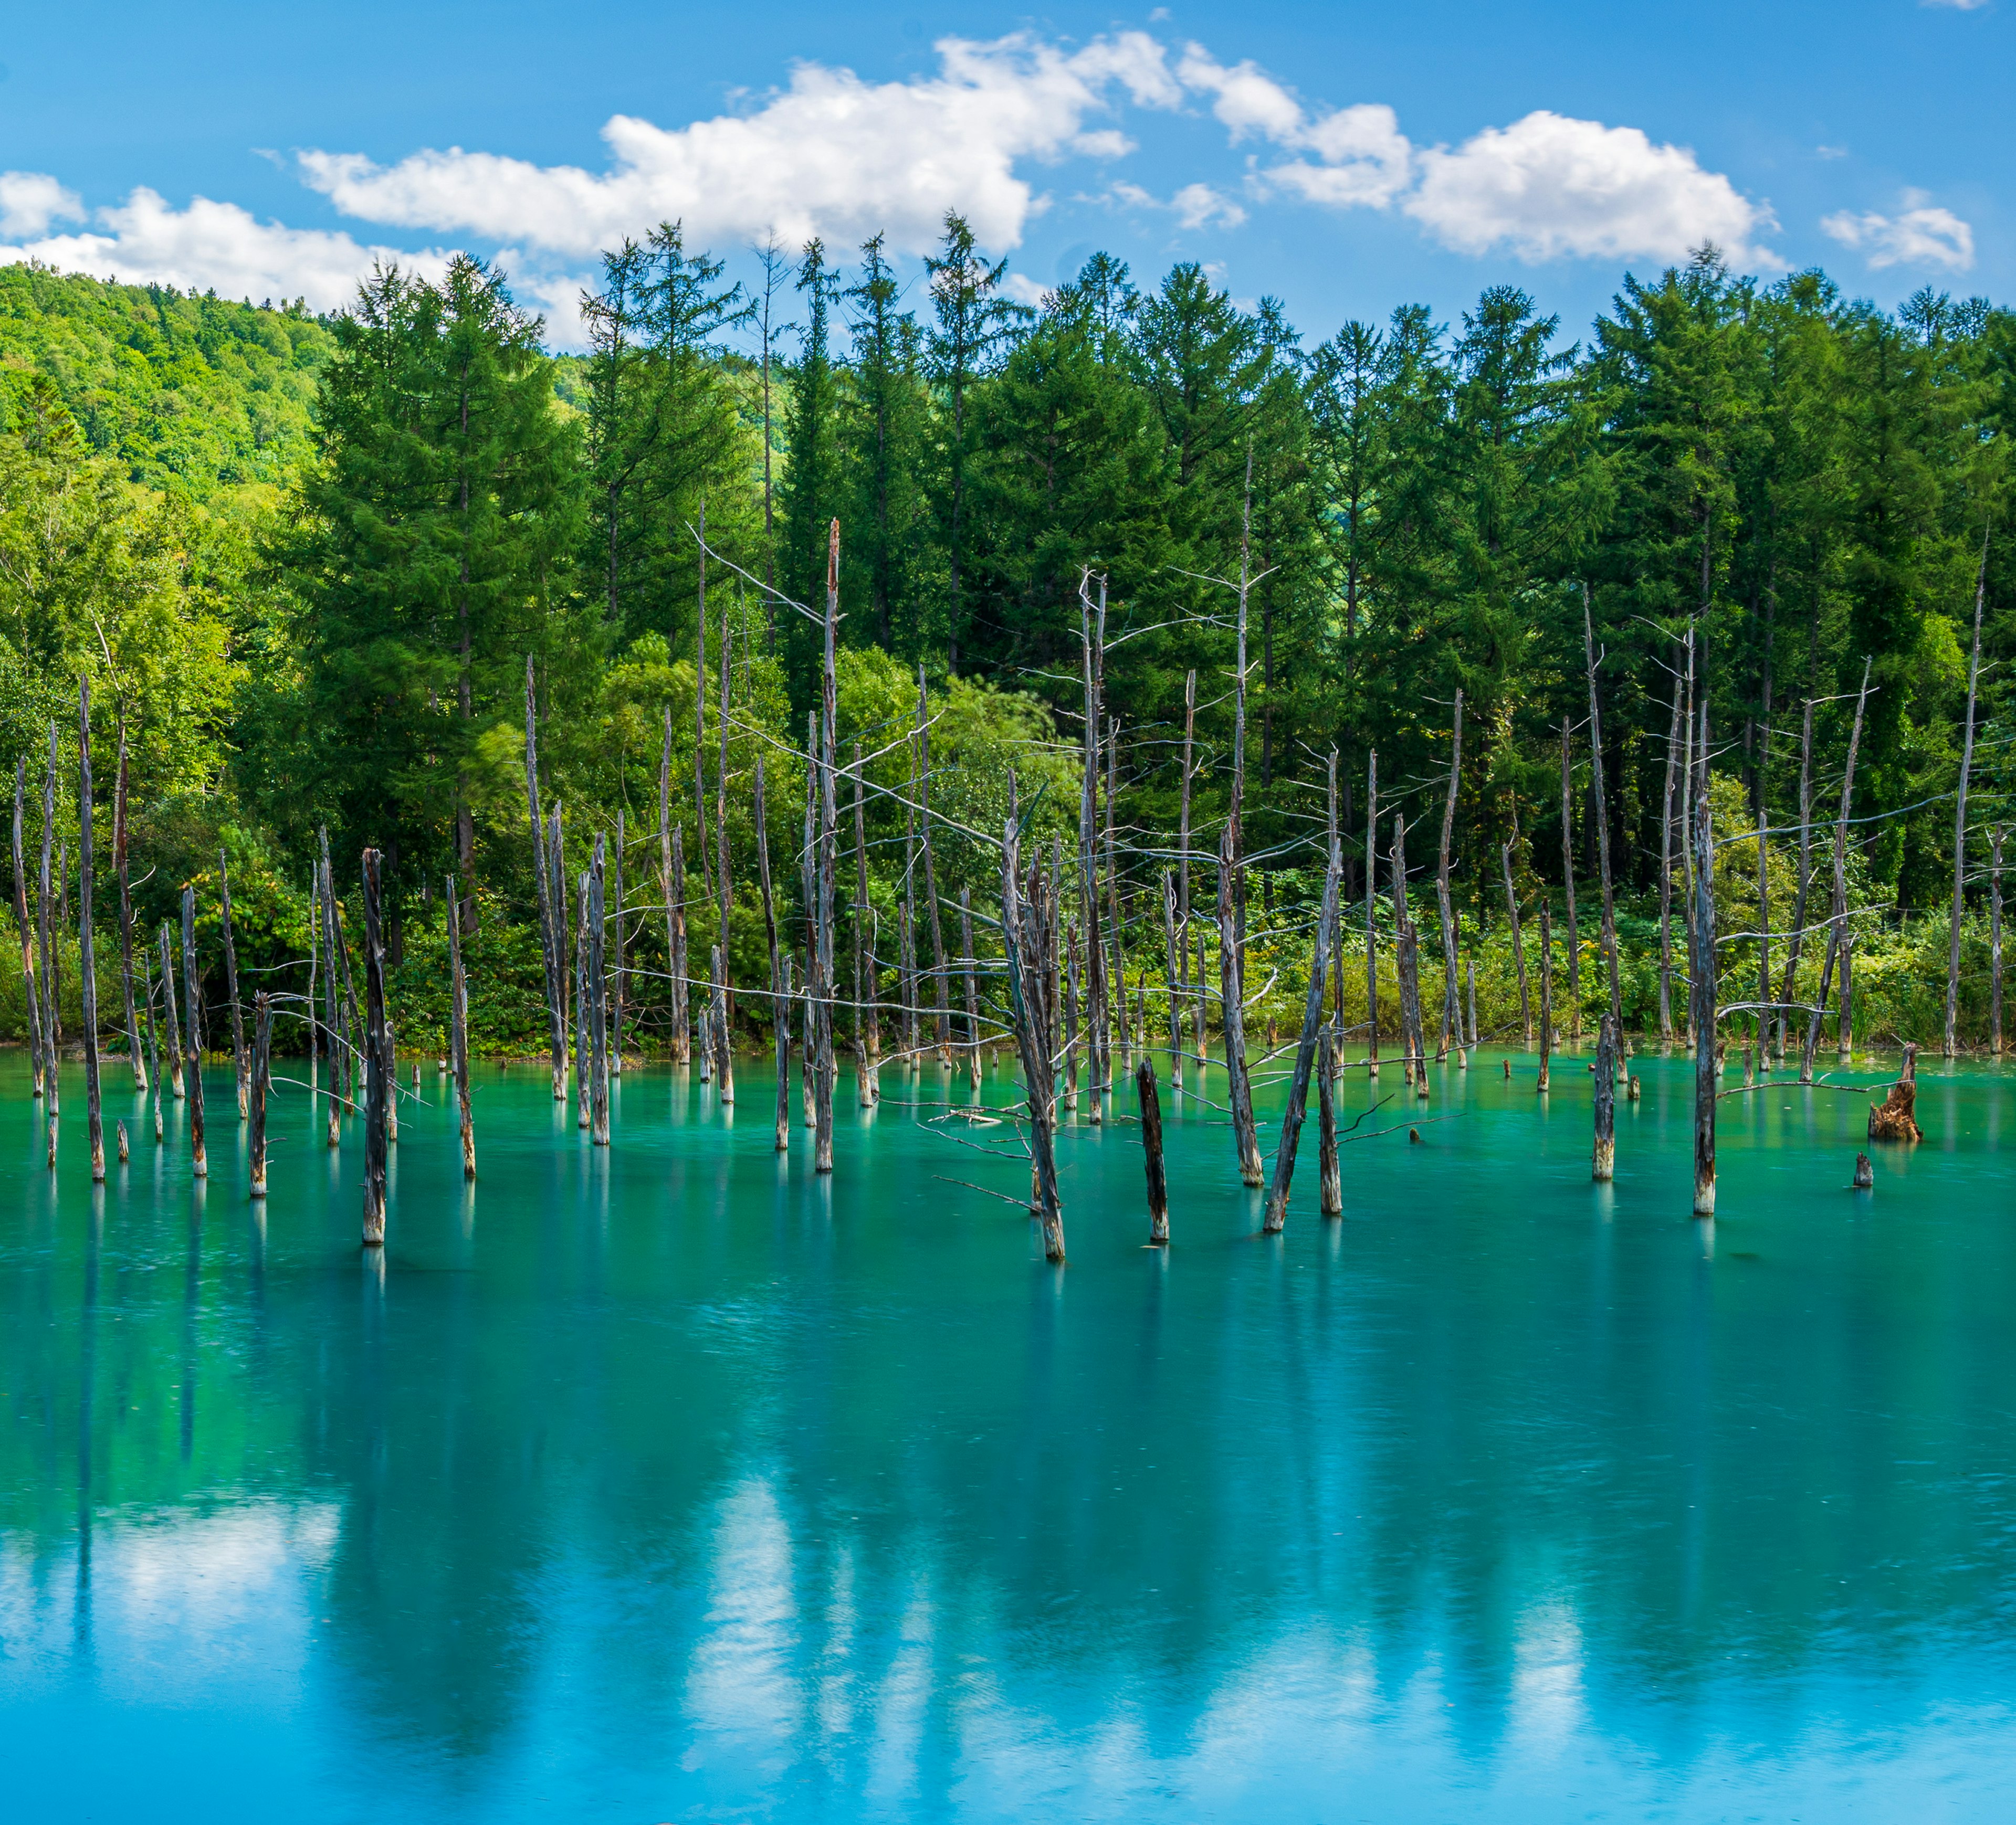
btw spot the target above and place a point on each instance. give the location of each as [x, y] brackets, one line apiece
[182, 389]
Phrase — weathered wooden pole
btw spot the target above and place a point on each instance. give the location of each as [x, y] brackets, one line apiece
[38, 1060]
[87, 947]
[1444, 905]
[377, 1061]
[1702, 986]
[1150, 1099]
[1547, 995]
[1234, 1018]
[551, 890]
[1959, 813]
[1602, 820]
[1371, 903]
[239, 1064]
[1604, 1162]
[458, 1042]
[1568, 880]
[255, 1093]
[1795, 939]
[171, 1018]
[1277, 1215]
[126, 915]
[193, 1030]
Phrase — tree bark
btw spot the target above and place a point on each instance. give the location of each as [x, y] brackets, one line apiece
[1603, 1165]
[1150, 1099]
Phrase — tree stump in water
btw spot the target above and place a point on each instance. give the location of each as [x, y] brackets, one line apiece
[1633, 1090]
[1895, 1118]
[1865, 1174]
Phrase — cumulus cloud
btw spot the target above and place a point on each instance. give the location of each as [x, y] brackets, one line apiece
[1549, 185]
[1195, 206]
[1921, 235]
[1351, 157]
[30, 200]
[829, 154]
[214, 246]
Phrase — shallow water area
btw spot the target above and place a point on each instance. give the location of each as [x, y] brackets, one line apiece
[669, 1480]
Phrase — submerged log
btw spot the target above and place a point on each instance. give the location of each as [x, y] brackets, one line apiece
[377, 1060]
[1150, 1099]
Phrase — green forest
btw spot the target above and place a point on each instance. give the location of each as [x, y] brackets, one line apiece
[302, 563]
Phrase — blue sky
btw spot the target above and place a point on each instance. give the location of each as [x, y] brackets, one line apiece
[1345, 158]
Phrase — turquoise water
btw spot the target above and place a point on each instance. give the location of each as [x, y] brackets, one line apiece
[668, 1482]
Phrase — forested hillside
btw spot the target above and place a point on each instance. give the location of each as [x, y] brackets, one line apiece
[1742, 492]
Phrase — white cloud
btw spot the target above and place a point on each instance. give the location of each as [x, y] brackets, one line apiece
[30, 200]
[1921, 235]
[217, 246]
[828, 155]
[1956, 6]
[1195, 206]
[1361, 157]
[1548, 185]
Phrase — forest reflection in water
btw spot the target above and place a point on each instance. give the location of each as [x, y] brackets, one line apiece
[671, 1481]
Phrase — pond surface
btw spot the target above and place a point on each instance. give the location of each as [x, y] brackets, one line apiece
[668, 1482]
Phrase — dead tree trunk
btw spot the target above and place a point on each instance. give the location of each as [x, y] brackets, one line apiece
[1547, 995]
[1960, 814]
[87, 949]
[458, 1042]
[1234, 1018]
[1116, 975]
[1702, 1010]
[1837, 922]
[1666, 874]
[1150, 1099]
[1332, 1192]
[1182, 920]
[240, 1066]
[1567, 881]
[192, 1026]
[1371, 903]
[1995, 944]
[1763, 936]
[940, 975]
[867, 1009]
[1602, 820]
[550, 892]
[1518, 934]
[673, 883]
[598, 999]
[583, 996]
[966, 964]
[262, 1072]
[1604, 1163]
[1023, 947]
[1298, 1089]
[1795, 939]
[829, 860]
[377, 1060]
[618, 950]
[1444, 905]
[45, 949]
[38, 1061]
[126, 916]
[171, 1017]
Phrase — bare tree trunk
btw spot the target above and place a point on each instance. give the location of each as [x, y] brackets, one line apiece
[1332, 1193]
[1568, 880]
[458, 1041]
[1959, 813]
[618, 951]
[192, 1029]
[867, 1009]
[550, 891]
[119, 833]
[377, 1061]
[1444, 905]
[39, 1061]
[672, 882]
[1666, 874]
[1298, 1090]
[967, 961]
[1995, 944]
[1602, 821]
[1763, 932]
[46, 941]
[239, 1064]
[1024, 947]
[1117, 974]
[1090, 640]
[1183, 903]
[171, 1018]
[1547, 995]
[1150, 1099]
[1702, 1010]
[1795, 940]
[1371, 902]
[87, 949]
[829, 860]
[1518, 935]
[262, 1065]
[940, 976]
[1604, 1163]
[1838, 925]
[1247, 1140]
[598, 1000]
[780, 985]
